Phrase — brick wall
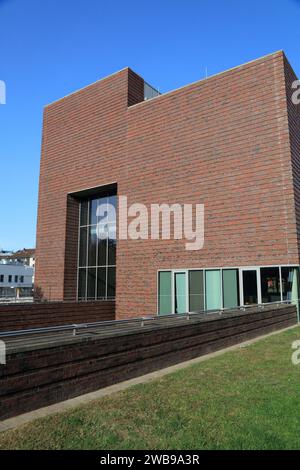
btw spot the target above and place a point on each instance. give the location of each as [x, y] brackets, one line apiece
[51, 373]
[294, 137]
[84, 146]
[39, 315]
[223, 141]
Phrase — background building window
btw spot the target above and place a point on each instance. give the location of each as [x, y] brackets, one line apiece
[1, 278]
[97, 255]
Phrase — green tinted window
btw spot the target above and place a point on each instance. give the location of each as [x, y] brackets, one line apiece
[164, 293]
[230, 288]
[196, 291]
[213, 289]
[180, 293]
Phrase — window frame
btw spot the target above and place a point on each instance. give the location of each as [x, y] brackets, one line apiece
[87, 266]
[240, 270]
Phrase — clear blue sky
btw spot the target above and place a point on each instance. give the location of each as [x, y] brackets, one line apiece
[50, 48]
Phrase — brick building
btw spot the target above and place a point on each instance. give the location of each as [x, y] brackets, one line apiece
[230, 142]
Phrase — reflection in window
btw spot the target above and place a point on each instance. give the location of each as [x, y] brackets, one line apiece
[82, 284]
[83, 247]
[289, 279]
[97, 248]
[111, 282]
[92, 246]
[270, 285]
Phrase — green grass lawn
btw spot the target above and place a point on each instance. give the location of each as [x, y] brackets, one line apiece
[244, 399]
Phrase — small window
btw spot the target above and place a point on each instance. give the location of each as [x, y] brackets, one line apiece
[1, 278]
[180, 292]
[10, 278]
[270, 285]
[289, 279]
[16, 278]
[164, 293]
[230, 288]
[213, 289]
[22, 279]
[196, 291]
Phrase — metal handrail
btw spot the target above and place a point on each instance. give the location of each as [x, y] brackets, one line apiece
[142, 320]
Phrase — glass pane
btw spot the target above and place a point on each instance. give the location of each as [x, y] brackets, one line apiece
[101, 283]
[102, 209]
[230, 288]
[213, 289]
[102, 252]
[289, 278]
[111, 282]
[93, 211]
[91, 284]
[196, 291]
[270, 285]
[84, 213]
[92, 246]
[250, 287]
[164, 293]
[112, 201]
[97, 252]
[83, 247]
[112, 246]
[180, 293]
[81, 284]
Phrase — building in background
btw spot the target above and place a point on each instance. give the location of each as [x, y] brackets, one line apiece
[25, 256]
[230, 142]
[17, 275]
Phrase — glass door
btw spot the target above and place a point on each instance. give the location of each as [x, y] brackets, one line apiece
[250, 291]
[180, 292]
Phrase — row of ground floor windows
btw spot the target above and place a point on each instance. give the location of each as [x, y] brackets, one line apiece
[180, 291]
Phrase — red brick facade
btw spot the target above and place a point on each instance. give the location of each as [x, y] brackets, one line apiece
[230, 141]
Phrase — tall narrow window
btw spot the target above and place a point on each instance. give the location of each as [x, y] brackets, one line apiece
[290, 284]
[270, 285]
[180, 293]
[196, 291]
[250, 288]
[164, 293]
[230, 288]
[213, 289]
[97, 248]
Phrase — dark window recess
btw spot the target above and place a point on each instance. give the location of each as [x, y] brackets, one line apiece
[270, 285]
